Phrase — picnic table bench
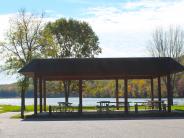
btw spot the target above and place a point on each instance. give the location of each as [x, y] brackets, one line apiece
[65, 107]
[109, 106]
[151, 105]
[62, 107]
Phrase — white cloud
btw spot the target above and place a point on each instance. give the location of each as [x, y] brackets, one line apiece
[129, 27]
[7, 79]
[4, 23]
[148, 4]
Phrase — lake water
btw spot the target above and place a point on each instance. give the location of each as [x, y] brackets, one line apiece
[75, 101]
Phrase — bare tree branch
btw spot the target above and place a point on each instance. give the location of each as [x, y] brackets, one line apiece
[168, 43]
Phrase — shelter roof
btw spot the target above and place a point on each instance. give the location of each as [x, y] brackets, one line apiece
[101, 68]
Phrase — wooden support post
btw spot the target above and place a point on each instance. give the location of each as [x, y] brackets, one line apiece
[159, 94]
[35, 95]
[169, 96]
[80, 96]
[117, 95]
[40, 91]
[50, 110]
[152, 93]
[44, 95]
[126, 94]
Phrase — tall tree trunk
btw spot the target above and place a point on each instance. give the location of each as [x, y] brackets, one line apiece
[24, 85]
[66, 84]
[22, 101]
[172, 94]
[173, 85]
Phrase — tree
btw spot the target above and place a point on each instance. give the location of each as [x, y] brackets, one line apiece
[69, 38]
[168, 43]
[21, 46]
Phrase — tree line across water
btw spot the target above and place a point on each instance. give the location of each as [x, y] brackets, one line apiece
[96, 89]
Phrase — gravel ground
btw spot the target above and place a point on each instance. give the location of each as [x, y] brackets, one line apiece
[140, 128]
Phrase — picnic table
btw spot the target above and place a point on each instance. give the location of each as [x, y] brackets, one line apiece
[150, 104]
[155, 104]
[65, 106]
[106, 105]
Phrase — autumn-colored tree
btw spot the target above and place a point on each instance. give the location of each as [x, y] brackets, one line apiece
[21, 46]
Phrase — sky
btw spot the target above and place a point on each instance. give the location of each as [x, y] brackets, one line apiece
[124, 27]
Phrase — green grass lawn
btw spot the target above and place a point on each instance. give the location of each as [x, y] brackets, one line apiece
[13, 108]
[178, 107]
[9, 108]
[30, 108]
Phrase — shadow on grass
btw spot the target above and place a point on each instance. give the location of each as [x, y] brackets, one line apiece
[105, 116]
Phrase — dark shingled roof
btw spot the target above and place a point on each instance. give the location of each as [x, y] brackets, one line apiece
[101, 68]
